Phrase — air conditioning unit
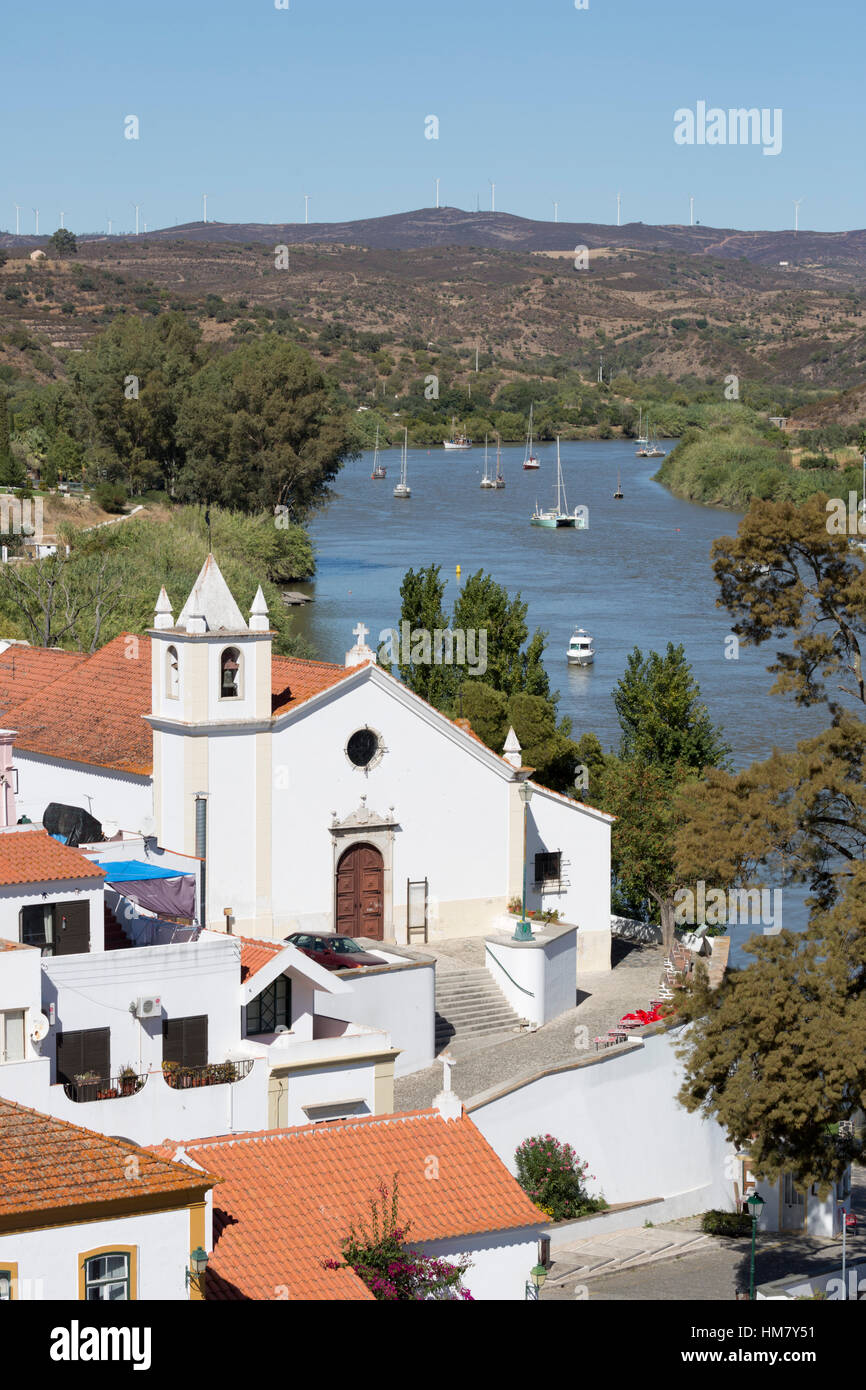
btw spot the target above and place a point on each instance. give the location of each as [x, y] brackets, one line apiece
[148, 1007]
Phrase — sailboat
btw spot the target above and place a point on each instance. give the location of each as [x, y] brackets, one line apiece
[498, 481]
[558, 516]
[653, 451]
[378, 469]
[642, 440]
[619, 494]
[530, 461]
[486, 481]
[403, 489]
[643, 449]
[457, 441]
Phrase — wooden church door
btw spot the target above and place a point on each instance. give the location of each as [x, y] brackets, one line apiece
[360, 895]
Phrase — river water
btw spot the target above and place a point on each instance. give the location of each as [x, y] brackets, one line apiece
[638, 576]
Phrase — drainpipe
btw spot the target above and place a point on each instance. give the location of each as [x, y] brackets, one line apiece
[201, 853]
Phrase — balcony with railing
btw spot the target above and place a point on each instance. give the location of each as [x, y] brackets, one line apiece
[93, 1087]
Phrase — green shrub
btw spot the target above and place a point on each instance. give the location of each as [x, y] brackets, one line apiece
[726, 1223]
[111, 497]
[552, 1175]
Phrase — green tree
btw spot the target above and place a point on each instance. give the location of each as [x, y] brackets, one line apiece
[546, 745]
[487, 712]
[62, 243]
[259, 431]
[5, 434]
[661, 715]
[421, 612]
[482, 605]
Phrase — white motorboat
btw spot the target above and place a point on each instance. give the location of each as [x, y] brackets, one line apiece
[580, 651]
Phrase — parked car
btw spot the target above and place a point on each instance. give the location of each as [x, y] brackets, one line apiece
[334, 952]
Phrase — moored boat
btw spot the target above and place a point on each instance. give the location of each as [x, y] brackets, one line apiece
[580, 650]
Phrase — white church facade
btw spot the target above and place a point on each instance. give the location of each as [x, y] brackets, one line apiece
[320, 797]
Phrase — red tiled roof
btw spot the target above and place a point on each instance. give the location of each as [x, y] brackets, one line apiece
[293, 681]
[33, 856]
[288, 1197]
[93, 712]
[255, 954]
[25, 671]
[47, 1163]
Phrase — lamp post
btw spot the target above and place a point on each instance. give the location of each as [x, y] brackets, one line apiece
[756, 1202]
[197, 1266]
[844, 1215]
[538, 1276]
[523, 930]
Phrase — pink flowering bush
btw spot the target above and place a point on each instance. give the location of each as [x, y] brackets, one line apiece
[392, 1272]
[553, 1176]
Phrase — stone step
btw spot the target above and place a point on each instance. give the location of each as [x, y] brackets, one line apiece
[502, 1025]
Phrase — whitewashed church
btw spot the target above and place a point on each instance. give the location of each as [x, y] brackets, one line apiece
[322, 797]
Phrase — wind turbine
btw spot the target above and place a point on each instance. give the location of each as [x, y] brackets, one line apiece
[137, 206]
[618, 209]
[691, 210]
[797, 202]
[204, 208]
[36, 211]
[492, 195]
[62, 215]
[306, 208]
[437, 192]
[556, 212]
[17, 207]
[109, 226]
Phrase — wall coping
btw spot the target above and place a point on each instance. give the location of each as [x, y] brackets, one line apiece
[552, 932]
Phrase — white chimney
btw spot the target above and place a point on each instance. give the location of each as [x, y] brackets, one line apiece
[163, 618]
[259, 620]
[512, 752]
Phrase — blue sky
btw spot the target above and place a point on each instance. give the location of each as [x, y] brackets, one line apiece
[256, 105]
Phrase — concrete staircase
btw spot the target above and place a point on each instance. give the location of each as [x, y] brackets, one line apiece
[607, 1254]
[116, 938]
[470, 1005]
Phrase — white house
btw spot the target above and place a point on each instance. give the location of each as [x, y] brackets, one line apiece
[321, 797]
[87, 1217]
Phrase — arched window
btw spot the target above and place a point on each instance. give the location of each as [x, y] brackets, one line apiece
[172, 674]
[230, 674]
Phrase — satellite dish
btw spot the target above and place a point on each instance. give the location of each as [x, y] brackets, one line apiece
[39, 1026]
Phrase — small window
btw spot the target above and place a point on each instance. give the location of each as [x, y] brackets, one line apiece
[12, 1035]
[107, 1277]
[363, 747]
[271, 1009]
[172, 674]
[548, 867]
[37, 927]
[230, 674]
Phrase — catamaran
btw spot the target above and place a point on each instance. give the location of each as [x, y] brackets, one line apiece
[486, 481]
[530, 461]
[580, 651]
[559, 516]
[457, 441]
[403, 489]
[378, 469]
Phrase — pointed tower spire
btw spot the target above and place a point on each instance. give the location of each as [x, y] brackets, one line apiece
[211, 606]
[259, 620]
[512, 752]
[163, 617]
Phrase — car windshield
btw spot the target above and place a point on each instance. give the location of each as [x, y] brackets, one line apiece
[345, 946]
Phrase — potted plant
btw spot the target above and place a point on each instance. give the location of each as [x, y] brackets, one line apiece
[128, 1080]
[86, 1085]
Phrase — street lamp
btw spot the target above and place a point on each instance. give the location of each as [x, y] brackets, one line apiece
[756, 1202]
[538, 1276]
[523, 930]
[198, 1264]
[843, 1212]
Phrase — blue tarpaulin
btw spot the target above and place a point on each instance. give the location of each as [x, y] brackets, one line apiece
[133, 870]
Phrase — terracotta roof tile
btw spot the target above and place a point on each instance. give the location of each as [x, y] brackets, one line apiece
[93, 712]
[255, 954]
[34, 856]
[47, 1163]
[25, 671]
[288, 1197]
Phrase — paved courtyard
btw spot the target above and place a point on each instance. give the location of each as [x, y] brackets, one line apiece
[482, 1064]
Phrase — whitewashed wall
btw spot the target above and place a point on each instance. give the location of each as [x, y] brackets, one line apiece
[584, 839]
[620, 1112]
[48, 1261]
[501, 1262]
[115, 796]
[400, 1000]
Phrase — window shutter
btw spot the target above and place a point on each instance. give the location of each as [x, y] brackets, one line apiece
[184, 1041]
[71, 928]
